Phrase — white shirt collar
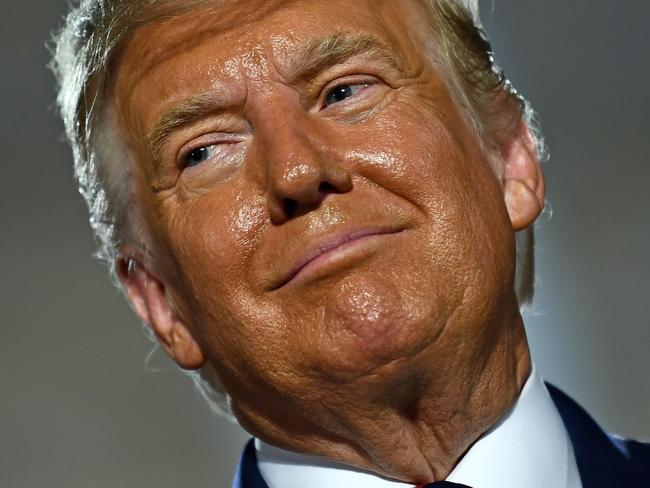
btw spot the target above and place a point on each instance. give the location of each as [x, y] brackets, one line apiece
[528, 448]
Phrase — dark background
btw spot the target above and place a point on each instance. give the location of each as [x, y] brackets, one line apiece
[79, 406]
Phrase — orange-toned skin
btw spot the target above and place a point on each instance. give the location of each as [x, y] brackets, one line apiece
[393, 352]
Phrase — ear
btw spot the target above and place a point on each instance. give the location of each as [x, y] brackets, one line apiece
[523, 180]
[146, 293]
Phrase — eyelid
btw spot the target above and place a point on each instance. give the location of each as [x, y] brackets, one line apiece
[351, 80]
[206, 140]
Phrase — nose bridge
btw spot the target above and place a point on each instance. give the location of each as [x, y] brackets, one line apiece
[291, 142]
[300, 169]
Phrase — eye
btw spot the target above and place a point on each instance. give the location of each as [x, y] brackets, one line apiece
[197, 156]
[342, 92]
[221, 152]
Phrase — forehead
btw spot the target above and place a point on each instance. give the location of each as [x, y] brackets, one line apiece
[227, 40]
[243, 22]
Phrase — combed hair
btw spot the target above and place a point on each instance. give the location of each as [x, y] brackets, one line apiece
[86, 46]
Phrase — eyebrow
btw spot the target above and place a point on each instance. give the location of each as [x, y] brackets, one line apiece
[317, 55]
[188, 110]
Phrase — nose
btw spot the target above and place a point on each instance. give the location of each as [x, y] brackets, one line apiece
[302, 169]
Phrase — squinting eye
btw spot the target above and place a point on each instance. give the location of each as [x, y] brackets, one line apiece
[341, 92]
[197, 156]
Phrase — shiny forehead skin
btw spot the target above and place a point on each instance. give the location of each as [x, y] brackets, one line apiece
[174, 51]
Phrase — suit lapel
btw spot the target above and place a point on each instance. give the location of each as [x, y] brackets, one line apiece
[248, 475]
[603, 461]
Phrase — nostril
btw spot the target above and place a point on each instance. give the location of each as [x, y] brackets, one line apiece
[326, 187]
[300, 201]
[293, 207]
[290, 207]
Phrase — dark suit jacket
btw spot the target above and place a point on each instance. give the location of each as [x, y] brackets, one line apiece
[604, 461]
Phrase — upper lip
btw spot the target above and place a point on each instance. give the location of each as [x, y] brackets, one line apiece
[326, 243]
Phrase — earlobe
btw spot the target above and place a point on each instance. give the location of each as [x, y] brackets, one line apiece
[146, 293]
[523, 180]
[184, 349]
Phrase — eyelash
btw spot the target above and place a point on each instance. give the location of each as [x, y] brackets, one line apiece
[213, 146]
[364, 84]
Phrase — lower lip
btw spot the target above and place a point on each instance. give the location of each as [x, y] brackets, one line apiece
[355, 248]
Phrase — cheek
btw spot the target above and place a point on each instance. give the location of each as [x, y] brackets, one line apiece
[372, 319]
[428, 156]
[417, 151]
[211, 240]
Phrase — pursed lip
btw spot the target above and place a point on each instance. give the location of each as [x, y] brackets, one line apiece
[328, 245]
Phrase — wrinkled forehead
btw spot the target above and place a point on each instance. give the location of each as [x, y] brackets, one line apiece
[231, 46]
[232, 38]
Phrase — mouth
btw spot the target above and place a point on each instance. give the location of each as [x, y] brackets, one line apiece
[335, 249]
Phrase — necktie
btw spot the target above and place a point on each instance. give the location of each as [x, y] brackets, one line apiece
[443, 484]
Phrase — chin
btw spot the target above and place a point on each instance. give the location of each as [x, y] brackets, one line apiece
[371, 324]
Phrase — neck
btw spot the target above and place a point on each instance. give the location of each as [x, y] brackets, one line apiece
[418, 427]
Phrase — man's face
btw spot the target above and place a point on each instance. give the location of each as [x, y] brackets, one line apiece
[328, 221]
